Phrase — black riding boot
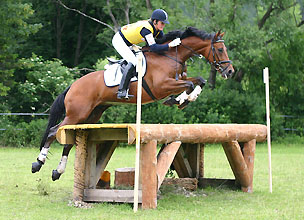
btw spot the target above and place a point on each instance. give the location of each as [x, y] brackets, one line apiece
[125, 82]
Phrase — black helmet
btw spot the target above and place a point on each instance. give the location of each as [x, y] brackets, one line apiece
[161, 15]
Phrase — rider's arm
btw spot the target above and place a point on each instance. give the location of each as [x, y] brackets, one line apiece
[147, 34]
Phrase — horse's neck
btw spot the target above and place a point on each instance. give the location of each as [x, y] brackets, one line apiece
[196, 44]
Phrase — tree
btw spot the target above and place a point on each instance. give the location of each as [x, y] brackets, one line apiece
[14, 31]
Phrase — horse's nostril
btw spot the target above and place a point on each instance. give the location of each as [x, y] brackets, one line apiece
[229, 71]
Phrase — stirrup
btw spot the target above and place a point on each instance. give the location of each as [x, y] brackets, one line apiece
[124, 95]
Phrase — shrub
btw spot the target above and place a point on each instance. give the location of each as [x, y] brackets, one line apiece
[23, 134]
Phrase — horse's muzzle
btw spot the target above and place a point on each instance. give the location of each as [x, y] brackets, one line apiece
[228, 74]
[228, 71]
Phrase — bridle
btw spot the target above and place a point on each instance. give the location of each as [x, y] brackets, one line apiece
[216, 64]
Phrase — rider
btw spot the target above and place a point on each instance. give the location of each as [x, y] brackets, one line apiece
[141, 31]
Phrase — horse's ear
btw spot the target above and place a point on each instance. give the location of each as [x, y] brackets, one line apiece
[217, 35]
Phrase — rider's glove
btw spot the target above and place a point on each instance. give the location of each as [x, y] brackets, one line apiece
[175, 42]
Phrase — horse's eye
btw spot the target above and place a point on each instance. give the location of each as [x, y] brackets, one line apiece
[220, 50]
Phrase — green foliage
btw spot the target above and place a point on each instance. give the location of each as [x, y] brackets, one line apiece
[227, 104]
[14, 31]
[43, 81]
[22, 134]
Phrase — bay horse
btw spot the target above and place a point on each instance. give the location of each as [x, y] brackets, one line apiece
[88, 97]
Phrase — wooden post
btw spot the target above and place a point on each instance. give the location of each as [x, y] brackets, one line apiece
[90, 175]
[248, 152]
[182, 165]
[165, 160]
[148, 164]
[201, 161]
[237, 163]
[79, 166]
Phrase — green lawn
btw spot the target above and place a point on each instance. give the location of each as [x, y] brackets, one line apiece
[24, 195]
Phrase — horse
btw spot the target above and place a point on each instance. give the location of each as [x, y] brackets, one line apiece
[88, 97]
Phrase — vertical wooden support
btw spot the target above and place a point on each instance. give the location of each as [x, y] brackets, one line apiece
[182, 165]
[90, 166]
[79, 166]
[248, 152]
[237, 163]
[192, 152]
[165, 159]
[148, 164]
[201, 161]
[104, 155]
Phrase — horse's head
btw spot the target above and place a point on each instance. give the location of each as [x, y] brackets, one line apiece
[218, 56]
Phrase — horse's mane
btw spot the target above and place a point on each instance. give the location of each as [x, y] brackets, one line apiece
[190, 31]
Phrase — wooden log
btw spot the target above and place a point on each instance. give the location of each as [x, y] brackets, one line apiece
[108, 195]
[238, 165]
[186, 183]
[124, 177]
[198, 133]
[79, 166]
[248, 152]
[165, 160]
[217, 183]
[148, 163]
[166, 133]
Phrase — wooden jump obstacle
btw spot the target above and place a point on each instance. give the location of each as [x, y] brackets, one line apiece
[185, 149]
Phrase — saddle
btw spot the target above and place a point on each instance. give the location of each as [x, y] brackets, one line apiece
[114, 69]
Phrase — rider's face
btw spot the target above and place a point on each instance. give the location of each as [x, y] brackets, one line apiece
[159, 25]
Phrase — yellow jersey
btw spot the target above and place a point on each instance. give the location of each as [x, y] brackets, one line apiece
[132, 31]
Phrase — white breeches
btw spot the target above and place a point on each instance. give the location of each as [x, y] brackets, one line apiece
[124, 51]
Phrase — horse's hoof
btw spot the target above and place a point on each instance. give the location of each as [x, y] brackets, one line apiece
[36, 166]
[170, 102]
[184, 104]
[55, 175]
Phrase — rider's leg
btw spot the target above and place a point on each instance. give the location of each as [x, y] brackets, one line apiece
[125, 82]
[125, 51]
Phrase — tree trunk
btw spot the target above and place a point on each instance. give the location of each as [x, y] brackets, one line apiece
[149, 5]
[80, 34]
[212, 78]
[58, 31]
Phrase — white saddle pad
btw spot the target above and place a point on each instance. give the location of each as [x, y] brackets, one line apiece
[113, 74]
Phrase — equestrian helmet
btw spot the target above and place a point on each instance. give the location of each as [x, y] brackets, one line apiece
[161, 15]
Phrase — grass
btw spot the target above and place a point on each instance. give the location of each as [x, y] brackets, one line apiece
[27, 196]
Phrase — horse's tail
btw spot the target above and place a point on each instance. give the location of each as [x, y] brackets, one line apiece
[56, 112]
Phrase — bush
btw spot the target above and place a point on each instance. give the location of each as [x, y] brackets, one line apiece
[23, 134]
[226, 105]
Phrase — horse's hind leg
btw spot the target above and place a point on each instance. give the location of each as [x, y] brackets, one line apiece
[36, 166]
[93, 118]
[62, 164]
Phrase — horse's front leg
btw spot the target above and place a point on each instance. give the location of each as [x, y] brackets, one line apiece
[172, 86]
[189, 95]
[200, 83]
